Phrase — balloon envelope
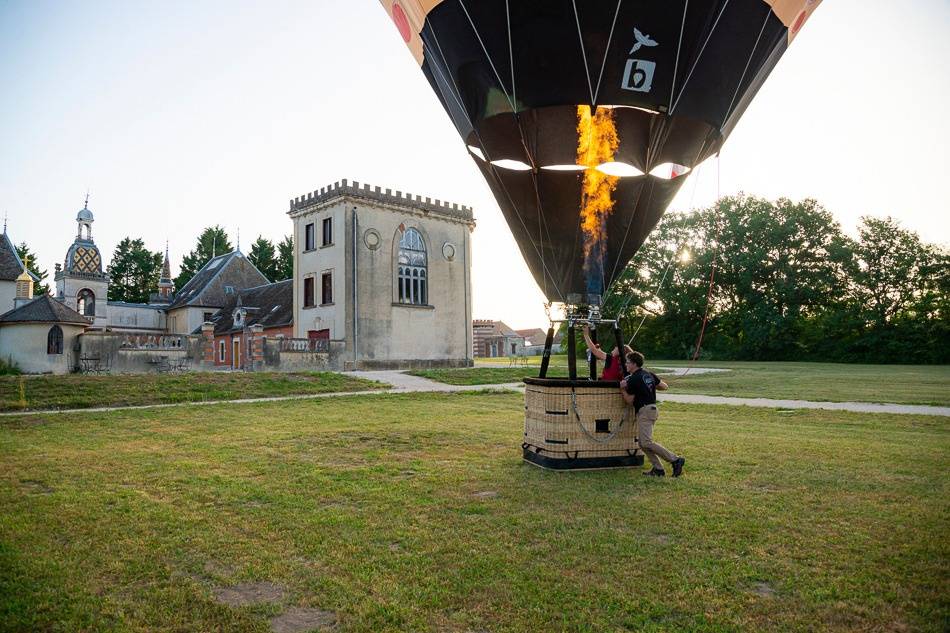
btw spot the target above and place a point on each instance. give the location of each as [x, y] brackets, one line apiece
[676, 74]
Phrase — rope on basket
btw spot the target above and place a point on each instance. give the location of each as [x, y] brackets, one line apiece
[577, 416]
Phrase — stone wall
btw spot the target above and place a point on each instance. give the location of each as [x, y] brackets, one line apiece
[132, 354]
[136, 316]
[281, 354]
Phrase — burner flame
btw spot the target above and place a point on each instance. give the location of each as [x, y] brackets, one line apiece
[597, 142]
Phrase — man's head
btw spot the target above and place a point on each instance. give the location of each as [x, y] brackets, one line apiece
[635, 361]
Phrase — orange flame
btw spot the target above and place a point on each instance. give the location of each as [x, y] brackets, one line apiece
[597, 143]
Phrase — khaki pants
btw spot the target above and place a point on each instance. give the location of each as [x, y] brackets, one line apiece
[646, 418]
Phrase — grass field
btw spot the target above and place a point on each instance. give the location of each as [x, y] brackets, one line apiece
[903, 384]
[78, 391]
[416, 513]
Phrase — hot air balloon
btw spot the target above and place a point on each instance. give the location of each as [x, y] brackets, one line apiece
[584, 116]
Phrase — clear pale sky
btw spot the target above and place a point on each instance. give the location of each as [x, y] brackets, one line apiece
[179, 115]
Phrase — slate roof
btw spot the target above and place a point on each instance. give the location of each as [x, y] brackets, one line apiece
[44, 309]
[10, 263]
[206, 288]
[270, 305]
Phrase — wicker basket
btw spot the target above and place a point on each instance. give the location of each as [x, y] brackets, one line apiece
[578, 424]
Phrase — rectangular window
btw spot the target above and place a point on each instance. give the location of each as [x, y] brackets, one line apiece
[229, 290]
[208, 315]
[327, 231]
[327, 296]
[308, 292]
[309, 242]
[221, 351]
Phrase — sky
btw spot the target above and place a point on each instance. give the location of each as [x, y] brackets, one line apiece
[180, 115]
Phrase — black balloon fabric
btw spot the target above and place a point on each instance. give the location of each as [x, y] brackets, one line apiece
[511, 74]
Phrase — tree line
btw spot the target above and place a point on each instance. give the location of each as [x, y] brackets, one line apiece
[788, 284]
[134, 270]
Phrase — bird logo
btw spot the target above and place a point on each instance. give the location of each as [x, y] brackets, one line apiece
[642, 40]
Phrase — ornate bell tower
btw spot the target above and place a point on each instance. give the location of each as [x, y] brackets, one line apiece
[80, 282]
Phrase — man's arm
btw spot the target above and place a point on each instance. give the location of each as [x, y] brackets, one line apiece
[596, 351]
[627, 397]
[661, 384]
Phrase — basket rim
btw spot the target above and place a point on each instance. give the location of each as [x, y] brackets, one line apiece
[574, 384]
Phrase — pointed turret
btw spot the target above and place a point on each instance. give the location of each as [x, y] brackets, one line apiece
[166, 287]
[24, 286]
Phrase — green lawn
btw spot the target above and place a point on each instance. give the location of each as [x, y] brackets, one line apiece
[903, 384]
[76, 391]
[416, 513]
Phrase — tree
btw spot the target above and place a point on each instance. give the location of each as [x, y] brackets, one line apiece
[789, 285]
[263, 256]
[891, 269]
[285, 258]
[27, 256]
[212, 242]
[134, 272]
[899, 295]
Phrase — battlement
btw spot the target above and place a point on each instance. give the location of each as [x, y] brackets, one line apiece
[378, 194]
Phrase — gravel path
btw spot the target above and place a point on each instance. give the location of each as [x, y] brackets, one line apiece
[405, 383]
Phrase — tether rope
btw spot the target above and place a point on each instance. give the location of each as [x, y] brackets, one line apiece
[577, 416]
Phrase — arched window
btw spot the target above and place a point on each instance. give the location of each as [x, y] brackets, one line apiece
[413, 282]
[86, 303]
[54, 340]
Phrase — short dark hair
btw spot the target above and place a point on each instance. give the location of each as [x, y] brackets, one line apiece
[636, 358]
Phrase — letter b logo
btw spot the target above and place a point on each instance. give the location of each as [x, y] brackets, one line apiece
[638, 75]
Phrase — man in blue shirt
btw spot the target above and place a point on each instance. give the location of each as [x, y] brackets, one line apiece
[639, 389]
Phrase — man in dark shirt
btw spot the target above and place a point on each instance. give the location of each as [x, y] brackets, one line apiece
[639, 389]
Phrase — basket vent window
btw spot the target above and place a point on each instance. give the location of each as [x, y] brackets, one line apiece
[602, 426]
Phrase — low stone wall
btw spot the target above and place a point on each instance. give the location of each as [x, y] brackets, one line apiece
[378, 365]
[292, 355]
[136, 354]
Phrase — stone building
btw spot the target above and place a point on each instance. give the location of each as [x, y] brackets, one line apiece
[387, 273]
[39, 336]
[214, 286]
[534, 339]
[267, 309]
[494, 338]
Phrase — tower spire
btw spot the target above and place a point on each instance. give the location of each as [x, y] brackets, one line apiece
[165, 284]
